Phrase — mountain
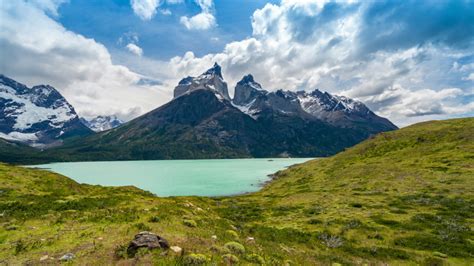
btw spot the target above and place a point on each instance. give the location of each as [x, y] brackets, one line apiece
[102, 123]
[211, 80]
[39, 116]
[401, 198]
[203, 122]
[335, 110]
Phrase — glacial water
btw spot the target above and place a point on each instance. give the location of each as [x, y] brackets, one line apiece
[178, 177]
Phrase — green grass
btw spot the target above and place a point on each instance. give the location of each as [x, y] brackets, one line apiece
[403, 197]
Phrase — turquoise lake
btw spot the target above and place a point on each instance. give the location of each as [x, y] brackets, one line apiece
[178, 177]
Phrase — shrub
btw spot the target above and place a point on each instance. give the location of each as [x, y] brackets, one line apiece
[331, 241]
[235, 247]
[230, 259]
[190, 223]
[154, 219]
[232, 234]
[255, 258]
[121, 252]
[195, 259]
[142, 227]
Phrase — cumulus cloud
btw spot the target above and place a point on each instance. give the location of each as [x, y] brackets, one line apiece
[359, 49]
[134, 49]
[146, 9]
[202, 21]
[80, 68]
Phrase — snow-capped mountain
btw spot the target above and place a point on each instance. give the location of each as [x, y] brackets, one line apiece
[38, 116]
[211, 80]
[336, 110]
[102, 123]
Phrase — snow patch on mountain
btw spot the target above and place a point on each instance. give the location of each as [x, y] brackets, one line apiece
[26, 113]
[102, 123]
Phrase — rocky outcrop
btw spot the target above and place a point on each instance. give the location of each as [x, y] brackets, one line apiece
[146, 240]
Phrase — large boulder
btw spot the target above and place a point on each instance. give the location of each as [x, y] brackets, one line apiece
[147, 240]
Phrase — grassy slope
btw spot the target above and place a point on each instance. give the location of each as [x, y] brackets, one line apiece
[402, 197]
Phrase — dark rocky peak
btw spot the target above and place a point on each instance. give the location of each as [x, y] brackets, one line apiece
[209, 80]
[247, 90]
[215, 70]
[186, 81]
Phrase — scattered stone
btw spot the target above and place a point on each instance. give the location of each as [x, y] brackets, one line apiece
[199, 209]
[43, 258]
[146, 240]
[250, 239]
[67, 257]
[176, 249]
[214, 237]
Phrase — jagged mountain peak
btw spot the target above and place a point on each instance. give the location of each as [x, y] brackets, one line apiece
[214, 70]
[209, 80]
[247, 90]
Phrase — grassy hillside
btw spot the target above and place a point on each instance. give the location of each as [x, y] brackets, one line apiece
[403, 197]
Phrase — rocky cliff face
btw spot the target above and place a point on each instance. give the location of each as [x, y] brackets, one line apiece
[211, 80]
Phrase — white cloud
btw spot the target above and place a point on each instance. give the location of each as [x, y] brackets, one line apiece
[50, 6]
[470, 77]
[134, 49]
[202, 21]
[80, 68]
[145, 9]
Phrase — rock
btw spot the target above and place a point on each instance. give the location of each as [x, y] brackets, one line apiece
[43, 258]
[146, 240]
[176, 249]
[250, 239]
[214, 237]
[100, 238]
[67, 257]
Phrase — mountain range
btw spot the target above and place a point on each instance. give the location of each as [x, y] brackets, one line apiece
[203, 121]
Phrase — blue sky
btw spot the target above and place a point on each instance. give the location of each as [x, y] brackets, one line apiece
[409, 61]
[162, 37]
